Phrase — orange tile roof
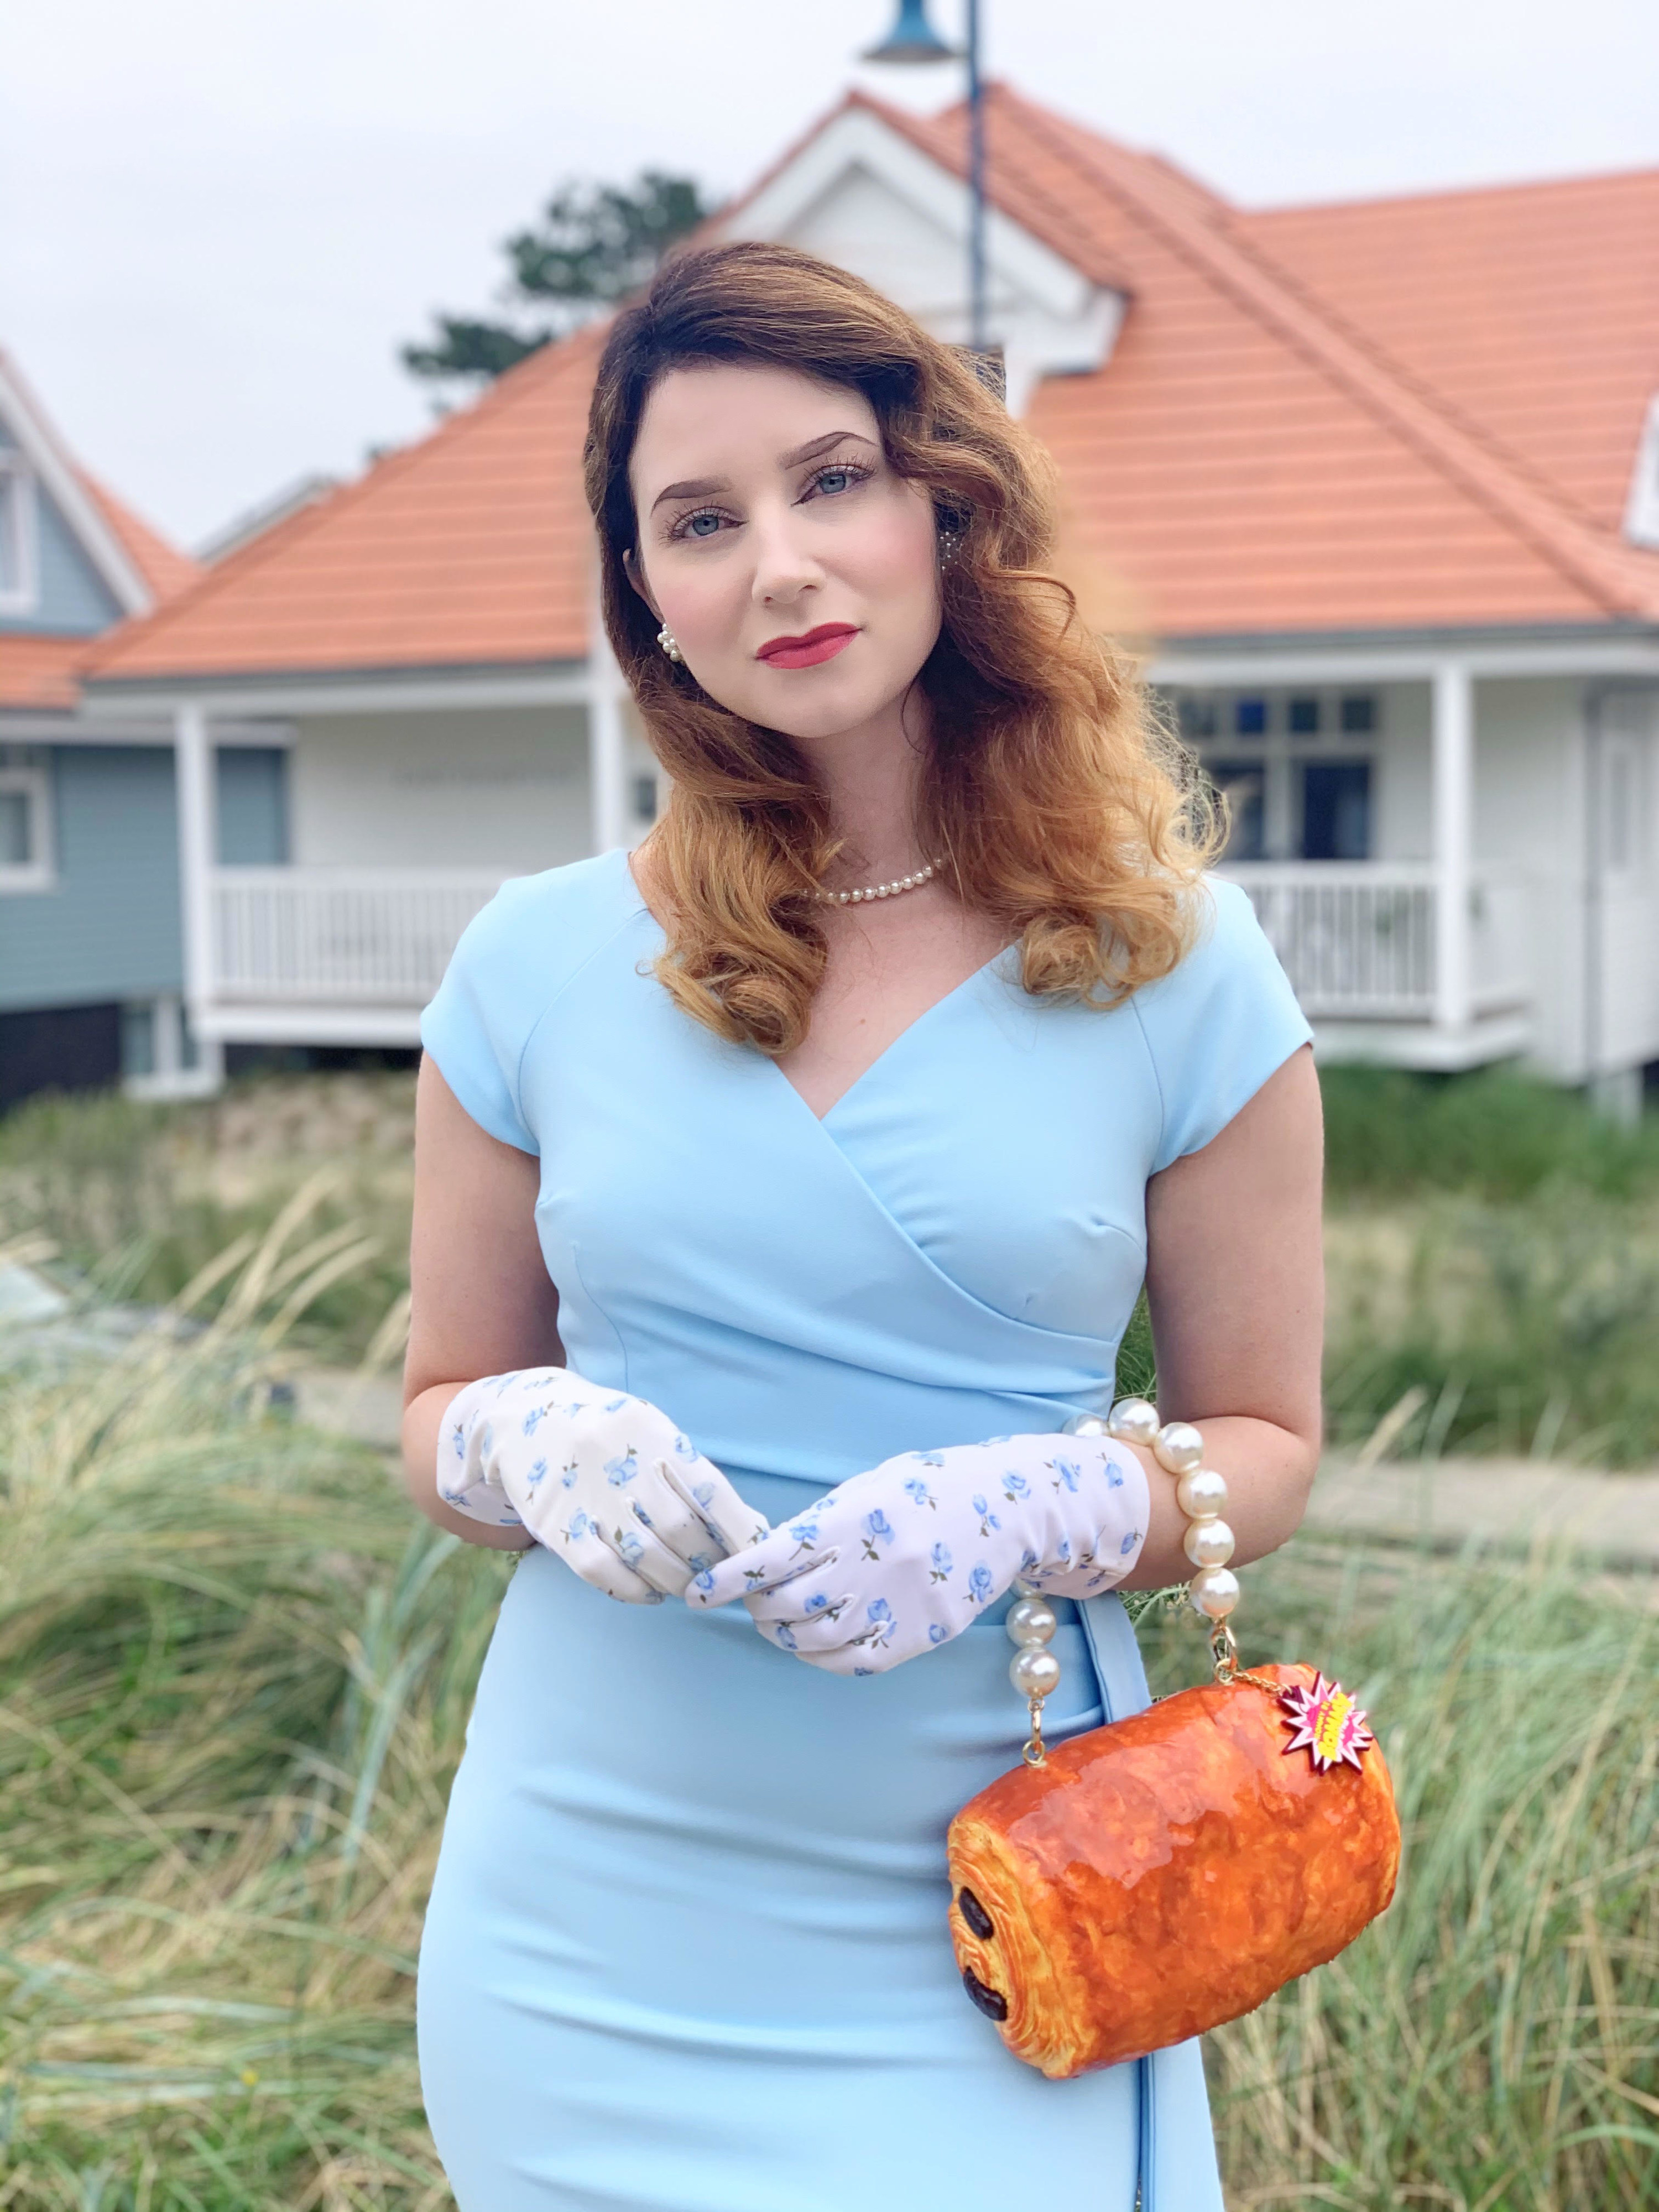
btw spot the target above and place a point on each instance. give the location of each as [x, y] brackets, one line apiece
[471, 547]
[164, 568]
[42, 673]
[1532, 309]
[1301, 429]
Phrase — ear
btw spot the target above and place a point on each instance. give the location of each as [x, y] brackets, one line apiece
[635, 576]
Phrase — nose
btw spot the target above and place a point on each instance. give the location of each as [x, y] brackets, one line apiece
[786, 568]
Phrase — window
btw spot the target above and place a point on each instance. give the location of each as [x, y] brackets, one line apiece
[1336, 810]
[17, 548]
[1244, 783]
[1249, 718]
[1195, 716]
[645, 798]
[1358, 715]
[25, 841]
[1305, 718]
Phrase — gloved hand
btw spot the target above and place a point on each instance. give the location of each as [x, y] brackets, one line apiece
[604, 1479]
[902, 1558]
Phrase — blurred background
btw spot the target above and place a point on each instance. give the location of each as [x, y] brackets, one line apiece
[1343, 327]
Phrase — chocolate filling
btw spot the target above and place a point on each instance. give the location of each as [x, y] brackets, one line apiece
[991, 2002]
[975, 1915]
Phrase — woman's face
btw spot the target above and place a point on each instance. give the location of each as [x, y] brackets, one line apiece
[797, 572]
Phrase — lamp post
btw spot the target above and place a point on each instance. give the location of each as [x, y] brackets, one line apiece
[913, 41]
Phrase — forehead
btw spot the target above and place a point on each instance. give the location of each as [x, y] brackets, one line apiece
[731, 418]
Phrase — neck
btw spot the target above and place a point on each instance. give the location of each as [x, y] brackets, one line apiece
[872, 775]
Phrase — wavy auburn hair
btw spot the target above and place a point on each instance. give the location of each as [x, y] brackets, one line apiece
[1050, 796]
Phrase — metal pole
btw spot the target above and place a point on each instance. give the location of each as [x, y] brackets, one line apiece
[976, 324]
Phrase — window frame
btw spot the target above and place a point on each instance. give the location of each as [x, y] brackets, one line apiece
[38, 872]
[24, 596]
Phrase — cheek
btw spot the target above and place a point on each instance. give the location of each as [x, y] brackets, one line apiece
[896, 561]
[704, 603]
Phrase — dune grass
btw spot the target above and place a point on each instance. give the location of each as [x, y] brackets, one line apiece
[136, 1199]
[1493, 1244]
[234, 1674]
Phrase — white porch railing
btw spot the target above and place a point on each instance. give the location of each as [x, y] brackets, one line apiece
[1358, 938]
[339, 936]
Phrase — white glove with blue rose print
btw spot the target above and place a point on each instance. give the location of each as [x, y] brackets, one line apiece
[604, 1479]
[903, 1558]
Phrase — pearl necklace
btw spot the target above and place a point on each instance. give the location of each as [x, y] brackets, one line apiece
[1208, 1543]
[878, 890]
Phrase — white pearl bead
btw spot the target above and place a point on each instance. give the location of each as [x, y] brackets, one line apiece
[1030, 1620]
[1202, 1494]
[1214, 1592]
[1033, 1672]
[1178, 1447]
[1086, 1425]
[1208, 1543]
[1132, 1421]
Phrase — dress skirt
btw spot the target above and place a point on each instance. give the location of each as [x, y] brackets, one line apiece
[687, 1947]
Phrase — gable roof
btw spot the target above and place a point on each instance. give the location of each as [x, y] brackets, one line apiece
[164, 568]
[40, 672]
[1283, 440]
[1532, 309]
[1253, 460]
[471, 548]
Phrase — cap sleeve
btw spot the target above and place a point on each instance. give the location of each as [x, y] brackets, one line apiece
[477, 1026]
[1219, 1025]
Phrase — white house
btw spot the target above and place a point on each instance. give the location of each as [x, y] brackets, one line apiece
[1377, 484]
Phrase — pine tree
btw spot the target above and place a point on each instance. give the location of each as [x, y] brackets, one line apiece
[594, 244]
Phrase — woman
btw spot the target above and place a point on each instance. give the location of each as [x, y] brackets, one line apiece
[739, 1193]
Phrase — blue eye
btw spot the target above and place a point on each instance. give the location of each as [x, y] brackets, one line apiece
[703, 526]
[835, 480]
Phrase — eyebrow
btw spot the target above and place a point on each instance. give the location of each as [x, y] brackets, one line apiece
[704, 487]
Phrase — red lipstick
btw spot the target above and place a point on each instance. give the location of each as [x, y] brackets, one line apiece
[821, 644]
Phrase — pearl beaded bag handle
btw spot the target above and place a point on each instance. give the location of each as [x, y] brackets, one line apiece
[1079, 1876]
[1213, 1593]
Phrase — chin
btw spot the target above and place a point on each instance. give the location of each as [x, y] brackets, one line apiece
[819, 712]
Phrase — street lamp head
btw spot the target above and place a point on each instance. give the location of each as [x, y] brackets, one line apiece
[912, 39]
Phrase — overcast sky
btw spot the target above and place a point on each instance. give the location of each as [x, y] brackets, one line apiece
[219, 218]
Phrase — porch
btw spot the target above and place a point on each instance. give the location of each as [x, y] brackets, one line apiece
[317, 955]
[1403, 941]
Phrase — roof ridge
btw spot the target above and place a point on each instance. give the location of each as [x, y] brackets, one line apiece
[1619, 580]
[1503, 188]
[235, 567]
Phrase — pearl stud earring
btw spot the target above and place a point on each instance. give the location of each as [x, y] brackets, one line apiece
[666, 639]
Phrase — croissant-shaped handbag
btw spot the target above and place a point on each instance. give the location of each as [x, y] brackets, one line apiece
[1150, 1879]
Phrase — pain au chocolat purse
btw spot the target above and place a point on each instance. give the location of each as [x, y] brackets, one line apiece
[1164, 1874]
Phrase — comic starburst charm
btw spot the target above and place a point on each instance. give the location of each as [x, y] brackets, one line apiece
[1328, 1725]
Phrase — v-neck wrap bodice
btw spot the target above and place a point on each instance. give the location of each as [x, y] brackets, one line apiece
[952, 1252]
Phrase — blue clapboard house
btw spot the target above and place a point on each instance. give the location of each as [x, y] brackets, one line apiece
[91, 964]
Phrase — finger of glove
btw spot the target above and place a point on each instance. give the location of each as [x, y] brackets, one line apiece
[597, 1562]
[637, 1545]
[812, 1628]
[669, 1503]
[709, 1500]
[862, 1657]
[760, 1567]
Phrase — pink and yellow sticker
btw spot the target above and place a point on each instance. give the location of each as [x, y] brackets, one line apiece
[1328, 1725]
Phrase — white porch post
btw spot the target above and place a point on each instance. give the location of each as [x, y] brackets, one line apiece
[607, 743]
[193, 773]
[1454, 836]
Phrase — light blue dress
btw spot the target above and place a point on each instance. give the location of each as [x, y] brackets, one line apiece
[686, 1949]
